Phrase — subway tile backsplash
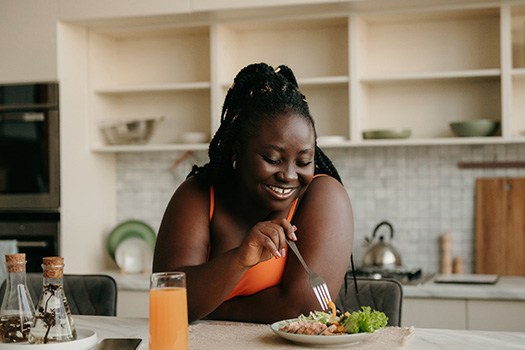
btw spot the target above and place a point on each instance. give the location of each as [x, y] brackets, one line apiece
[419, 189]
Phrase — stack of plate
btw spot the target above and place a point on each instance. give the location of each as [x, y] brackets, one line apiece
[131, 246]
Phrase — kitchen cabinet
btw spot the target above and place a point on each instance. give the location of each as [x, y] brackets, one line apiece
[133, 303]
[472, 314]
[28, 41]
[434, 313]
[496, 315]
[361, 69]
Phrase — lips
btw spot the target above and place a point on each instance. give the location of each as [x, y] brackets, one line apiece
[280, 192]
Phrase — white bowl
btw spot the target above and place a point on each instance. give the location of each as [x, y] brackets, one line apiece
[194, 137]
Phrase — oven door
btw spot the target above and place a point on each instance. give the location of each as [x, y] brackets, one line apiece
[37, 236]
[29, 147]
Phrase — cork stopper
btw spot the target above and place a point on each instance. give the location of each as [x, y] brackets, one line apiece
[16, 262]
[53, 266]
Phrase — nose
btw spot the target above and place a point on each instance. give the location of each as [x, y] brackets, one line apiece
[287, 173]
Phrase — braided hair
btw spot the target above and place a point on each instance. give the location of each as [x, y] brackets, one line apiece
[258, 92]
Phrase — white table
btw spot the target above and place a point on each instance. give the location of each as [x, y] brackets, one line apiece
[422, 339]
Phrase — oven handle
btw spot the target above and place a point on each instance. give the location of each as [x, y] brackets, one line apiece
[32, 244]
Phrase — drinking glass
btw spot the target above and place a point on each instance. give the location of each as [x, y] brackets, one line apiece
[168, 311]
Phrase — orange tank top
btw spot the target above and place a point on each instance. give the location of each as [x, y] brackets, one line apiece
[264, 275]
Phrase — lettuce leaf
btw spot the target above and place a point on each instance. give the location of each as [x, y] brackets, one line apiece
[363, 321]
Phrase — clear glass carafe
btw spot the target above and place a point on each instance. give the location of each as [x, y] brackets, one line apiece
[17, 311]
[53, 322]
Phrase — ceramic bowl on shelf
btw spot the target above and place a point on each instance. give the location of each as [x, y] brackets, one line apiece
[137, 131]
[194, 137]
[475, 127]
[329, 139]
[386, 134]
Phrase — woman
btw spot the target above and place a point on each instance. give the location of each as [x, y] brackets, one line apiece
[226, 226]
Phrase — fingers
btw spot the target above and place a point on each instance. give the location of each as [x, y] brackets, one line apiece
[283, 229]
[267, 239]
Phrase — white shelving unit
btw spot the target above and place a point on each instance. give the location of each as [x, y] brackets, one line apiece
[405, 67]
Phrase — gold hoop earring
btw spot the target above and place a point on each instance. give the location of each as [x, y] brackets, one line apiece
[234, 164]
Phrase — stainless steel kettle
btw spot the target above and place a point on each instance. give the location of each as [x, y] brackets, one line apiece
[381, 254]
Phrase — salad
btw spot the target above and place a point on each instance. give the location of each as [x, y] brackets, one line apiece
[365, 320]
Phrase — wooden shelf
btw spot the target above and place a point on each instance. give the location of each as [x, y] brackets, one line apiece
[419, 68]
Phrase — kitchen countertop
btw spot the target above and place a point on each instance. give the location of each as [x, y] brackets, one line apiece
[227, 335]
[506, 288]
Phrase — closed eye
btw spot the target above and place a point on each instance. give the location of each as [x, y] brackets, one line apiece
[271, 161]
[304, 164]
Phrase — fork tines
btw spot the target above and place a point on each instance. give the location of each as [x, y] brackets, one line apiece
[323, 295]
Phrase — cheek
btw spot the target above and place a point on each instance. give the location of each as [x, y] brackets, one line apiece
[306, 174]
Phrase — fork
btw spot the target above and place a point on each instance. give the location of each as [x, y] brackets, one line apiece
[317, 282]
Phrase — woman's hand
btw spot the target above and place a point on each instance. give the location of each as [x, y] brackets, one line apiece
[265, 240]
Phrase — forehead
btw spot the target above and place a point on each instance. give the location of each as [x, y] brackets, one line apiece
[285, 131]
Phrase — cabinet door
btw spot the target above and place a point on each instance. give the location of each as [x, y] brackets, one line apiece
[434, 313]
[132, 303]
[496, 315]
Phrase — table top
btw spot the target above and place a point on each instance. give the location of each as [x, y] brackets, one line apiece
[206, 335]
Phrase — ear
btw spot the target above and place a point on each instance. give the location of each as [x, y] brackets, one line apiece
[235, 151]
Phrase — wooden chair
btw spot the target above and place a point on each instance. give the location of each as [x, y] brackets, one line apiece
[384, 295]
[86, 294]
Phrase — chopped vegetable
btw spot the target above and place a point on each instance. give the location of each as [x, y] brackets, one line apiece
[362, 321]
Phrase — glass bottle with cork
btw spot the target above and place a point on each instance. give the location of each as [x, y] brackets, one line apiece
[17, 310]
[53, 322]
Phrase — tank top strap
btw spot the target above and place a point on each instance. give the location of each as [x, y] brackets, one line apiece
[212, 202]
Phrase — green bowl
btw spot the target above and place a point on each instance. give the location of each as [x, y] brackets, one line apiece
[387, 134]
[475, 127]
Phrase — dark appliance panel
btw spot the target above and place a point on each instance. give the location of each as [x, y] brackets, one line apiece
[29, 146]
[37, 235]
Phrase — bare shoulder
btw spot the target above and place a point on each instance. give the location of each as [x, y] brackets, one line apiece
[187, 211]
[327, 190]
[325, 208]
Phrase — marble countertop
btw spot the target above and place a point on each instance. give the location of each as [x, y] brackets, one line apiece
[208, 335]
[506, 288]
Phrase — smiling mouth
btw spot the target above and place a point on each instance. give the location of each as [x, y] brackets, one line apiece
[280, 191]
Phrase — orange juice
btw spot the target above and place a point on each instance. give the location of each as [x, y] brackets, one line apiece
[168, 319]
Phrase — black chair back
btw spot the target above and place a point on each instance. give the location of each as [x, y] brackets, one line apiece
[384, 295]
[86, 294]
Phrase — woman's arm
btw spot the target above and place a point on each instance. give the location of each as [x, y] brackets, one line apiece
[324, 223]
[183, 241]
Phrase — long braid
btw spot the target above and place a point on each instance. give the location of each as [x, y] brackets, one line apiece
[258, 92]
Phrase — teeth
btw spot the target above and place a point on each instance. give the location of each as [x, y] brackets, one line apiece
[280, 190]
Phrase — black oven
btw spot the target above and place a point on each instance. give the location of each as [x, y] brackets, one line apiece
[29, 146]
[37, 235]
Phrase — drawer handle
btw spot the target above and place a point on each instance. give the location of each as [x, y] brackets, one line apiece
[32, 244]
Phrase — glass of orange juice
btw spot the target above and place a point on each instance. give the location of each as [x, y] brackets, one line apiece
[168, 311]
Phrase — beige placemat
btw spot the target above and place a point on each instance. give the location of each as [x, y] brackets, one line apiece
[240, 336]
